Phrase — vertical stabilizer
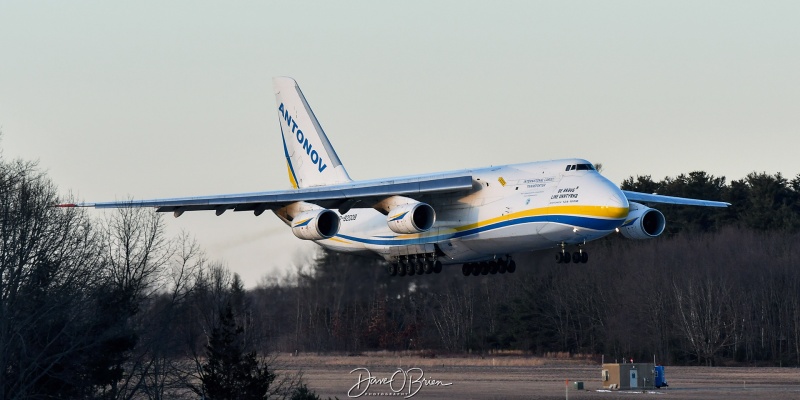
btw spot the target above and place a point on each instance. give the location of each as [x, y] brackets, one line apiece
[310, 157]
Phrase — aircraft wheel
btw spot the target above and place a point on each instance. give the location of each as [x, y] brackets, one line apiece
[584, 257]
[559, 258]
[428, 267]
[411, 270]
[401, 269]
[576, 257]
[484, 268]
[565, 257]
[503, 266]
[512, 266]
[494, 267]
[392, 269]
[476, 269]
[420, 265]
[437, 266]
[466, 269]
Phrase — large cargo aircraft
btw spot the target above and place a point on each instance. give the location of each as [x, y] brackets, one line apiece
[477, 218]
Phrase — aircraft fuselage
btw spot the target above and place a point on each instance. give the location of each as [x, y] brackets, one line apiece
[510, 209]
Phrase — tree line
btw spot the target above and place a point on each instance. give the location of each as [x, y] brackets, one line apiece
[113, 308]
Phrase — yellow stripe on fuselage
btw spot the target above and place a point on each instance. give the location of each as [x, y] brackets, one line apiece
[580, 211]
[576, 210]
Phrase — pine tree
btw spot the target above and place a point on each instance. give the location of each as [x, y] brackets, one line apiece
[229, 373]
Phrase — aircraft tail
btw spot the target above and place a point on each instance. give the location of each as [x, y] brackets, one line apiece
[310, 157]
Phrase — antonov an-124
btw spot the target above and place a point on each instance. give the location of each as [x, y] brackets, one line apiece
[476, 218]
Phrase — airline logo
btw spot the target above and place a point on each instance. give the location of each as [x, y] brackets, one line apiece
[312, 154]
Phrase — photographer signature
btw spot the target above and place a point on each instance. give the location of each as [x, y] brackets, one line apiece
[401, 382]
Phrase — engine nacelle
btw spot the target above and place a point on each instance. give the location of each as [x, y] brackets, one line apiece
[316, 224]
[643, 222]
[411, 218]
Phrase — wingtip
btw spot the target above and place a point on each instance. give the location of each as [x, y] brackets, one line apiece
[72, 205]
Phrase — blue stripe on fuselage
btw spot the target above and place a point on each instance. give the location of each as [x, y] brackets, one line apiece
[597, 224]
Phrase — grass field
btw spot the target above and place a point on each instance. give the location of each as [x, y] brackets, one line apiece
[509, 376]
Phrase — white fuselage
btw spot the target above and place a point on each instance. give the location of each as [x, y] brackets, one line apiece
[511, 209]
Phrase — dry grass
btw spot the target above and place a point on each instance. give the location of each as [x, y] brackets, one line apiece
[428, 359]
[510, 375]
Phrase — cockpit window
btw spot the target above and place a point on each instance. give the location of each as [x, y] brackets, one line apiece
[580, 167]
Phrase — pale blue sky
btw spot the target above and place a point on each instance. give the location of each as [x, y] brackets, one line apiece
[156, 99]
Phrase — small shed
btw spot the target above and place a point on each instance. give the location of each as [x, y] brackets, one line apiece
[628, 376]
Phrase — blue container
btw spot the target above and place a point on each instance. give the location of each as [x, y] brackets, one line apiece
[660, 379]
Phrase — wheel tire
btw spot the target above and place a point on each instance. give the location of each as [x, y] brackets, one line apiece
[584, 257]
[428, 267]
[392, 269]
[466, 269]
[401, 269]
[411, 269]
[420, 265]
[502, 267]
[512, 266]
[576, 257]
[476, 269]
[559, 258]
[494, 267]
[437, 267]
[565, 257]
[484, 268]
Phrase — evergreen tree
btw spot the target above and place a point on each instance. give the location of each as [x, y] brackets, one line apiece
[229, 372]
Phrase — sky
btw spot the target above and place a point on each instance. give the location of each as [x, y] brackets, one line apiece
[154, 99]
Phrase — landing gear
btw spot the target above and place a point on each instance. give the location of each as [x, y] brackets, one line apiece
[476, 269]
[499, 265]
[420, 264]
[578, 257]
[511, 266]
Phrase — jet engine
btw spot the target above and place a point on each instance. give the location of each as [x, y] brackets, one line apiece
[315, 224]
[413, 217]
[643, 222]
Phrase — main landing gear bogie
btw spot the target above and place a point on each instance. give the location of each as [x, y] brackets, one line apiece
[422, 265]
[497, 266]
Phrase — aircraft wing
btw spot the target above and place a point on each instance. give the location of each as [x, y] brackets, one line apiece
[657, 198]
[342, 196]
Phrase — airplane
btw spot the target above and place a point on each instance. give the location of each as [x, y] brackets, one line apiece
[476, 218]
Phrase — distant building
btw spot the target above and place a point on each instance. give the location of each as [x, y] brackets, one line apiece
[632, 376]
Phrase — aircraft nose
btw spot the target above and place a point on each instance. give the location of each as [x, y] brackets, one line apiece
[615, 199]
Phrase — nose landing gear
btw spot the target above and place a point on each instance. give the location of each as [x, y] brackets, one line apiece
[564, 256]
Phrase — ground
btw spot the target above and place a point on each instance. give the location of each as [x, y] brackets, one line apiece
[519, 377]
